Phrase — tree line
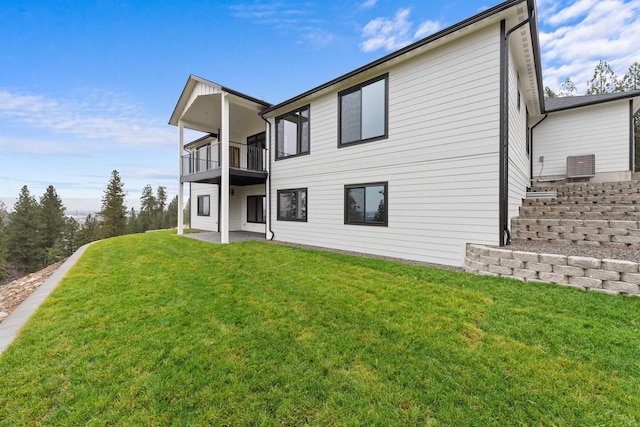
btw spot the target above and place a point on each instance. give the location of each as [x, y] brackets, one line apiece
[37, 233]
[604, 80]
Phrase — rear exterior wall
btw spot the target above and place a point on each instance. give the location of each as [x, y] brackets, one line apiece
[440, 159]
[601, 129]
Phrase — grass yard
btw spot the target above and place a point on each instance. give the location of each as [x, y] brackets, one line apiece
[157, 329]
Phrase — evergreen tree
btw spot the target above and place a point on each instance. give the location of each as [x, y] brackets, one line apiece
[88, 232]
[161, 203]
[604, 80]
[171, 217]
[68, 237]
[3, 242]
[631, 80]
[133, 225]
[548, 93]
[52, 216]
[186, 213]
[147, 209]
[25, 241]
[113, 212]
[568, 88]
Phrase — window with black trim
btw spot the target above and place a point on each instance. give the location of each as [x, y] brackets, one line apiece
[292, 205]
[256, 209]
[363, 112]
[292, 133]
[366, 204]
[204, 203]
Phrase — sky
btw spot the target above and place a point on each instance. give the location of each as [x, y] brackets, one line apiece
[87, 87]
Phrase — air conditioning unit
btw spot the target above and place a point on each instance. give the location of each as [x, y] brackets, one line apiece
[581, 166]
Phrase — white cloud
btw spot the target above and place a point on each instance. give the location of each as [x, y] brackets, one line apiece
[575, 37]
[392, 34]
[97, 119]
[368, 4]
[427, 28]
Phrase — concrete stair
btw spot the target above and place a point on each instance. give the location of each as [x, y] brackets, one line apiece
[582, 213]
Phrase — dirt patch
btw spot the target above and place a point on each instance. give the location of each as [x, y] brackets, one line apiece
[13, 293]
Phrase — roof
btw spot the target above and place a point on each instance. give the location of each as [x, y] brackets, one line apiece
[568, 102]
[430, 39]
[192, 81]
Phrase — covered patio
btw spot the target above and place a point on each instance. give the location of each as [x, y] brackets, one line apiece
[234, 236]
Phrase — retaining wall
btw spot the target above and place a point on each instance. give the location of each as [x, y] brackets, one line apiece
[614, 277]
[623, 234]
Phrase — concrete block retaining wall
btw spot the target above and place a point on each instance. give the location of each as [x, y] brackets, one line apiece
[617, 233]
[614, 277]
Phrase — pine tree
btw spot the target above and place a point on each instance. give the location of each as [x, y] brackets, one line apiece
[147, 209]
[161, 203]
[604, 80]
[113, 212]
[133, 225]
[631, 80]
[3, 242]
[548, 93]
[171, 217]
[568, 88]
[88, 232]
[25, 241]
[52, 216]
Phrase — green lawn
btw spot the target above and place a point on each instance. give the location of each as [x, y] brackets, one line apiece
[157, 329]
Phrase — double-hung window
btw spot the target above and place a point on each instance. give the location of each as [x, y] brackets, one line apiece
[363, 112]
[292, 133]
[256, 209]
[292, 205]
[366, 204]
[204, 204]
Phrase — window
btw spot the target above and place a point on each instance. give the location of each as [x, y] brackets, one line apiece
[292, 133]
[256, 209]
[292, 205]
[366, 204]
[203, 205]
[363, 112]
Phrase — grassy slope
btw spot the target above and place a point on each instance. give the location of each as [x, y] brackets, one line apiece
[157, 329]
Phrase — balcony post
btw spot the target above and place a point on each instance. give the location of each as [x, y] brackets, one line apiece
[224, 171]
[180, 184]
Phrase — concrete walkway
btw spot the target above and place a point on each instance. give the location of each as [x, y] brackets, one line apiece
[234, 236]
[11, 326]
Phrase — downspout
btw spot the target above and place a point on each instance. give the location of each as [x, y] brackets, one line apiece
[269, 176]
[632, 138]
[531, 142]
[505, 234]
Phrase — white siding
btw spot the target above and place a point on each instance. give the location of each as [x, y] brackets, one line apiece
[209, 223]
[601, 129]
[238, 208]
[440, 160]
[518, 157]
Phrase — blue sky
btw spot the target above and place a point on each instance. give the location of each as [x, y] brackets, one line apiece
[88, 86]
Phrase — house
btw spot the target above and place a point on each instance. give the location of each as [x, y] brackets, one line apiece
[412, 156]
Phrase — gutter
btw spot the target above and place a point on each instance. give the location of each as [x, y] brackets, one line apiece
[273, 235]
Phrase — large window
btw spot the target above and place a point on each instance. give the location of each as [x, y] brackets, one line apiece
[204, 203]
[292, 205]
[365, 204]
[292, 133]
[363, 112]
[256, 209]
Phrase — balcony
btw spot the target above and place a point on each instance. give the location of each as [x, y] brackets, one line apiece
[247, 164]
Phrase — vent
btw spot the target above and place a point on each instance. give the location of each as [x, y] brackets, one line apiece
[581, 166]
